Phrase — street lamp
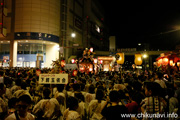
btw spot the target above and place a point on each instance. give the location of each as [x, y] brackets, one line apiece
[73, 35]
[145, 56]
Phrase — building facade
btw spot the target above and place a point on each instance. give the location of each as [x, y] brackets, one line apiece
[36, 32]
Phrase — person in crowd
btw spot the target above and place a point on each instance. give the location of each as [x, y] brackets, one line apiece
[22, 90]
[47, 108]
[153, 103]
[38, 110]
[82, 107]
[95, 106]
[158, 79]
[114, 111]
[90, 95]
[3, 102]
[12, 105]
[173, 101]
[88, 84]
[110, 87]
[17, 85]
[23, 103]
[62, 95]
[133, 106]
[8, 82]
[177, 89]
[70, 113]
[138, 93]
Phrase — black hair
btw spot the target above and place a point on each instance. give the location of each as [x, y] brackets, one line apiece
[18, 82]
[25, 98]
[137, 85]
[23, 85]
[114, 96]
[79, 96]
[46, 93]
[12, 102]
[122, 94]
[160, 75]
[76, 87]
[99, 94]
[1, 86]
[72, 103]
[155, 88]
[91, 88]
[60, 87]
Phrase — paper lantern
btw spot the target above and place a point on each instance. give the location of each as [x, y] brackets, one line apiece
[159, 62]
[63, 63]
[138, 59]
[171, 63]
[73, 60]
[178, 64]
[165, 61]
[75, 72]
[120, 58]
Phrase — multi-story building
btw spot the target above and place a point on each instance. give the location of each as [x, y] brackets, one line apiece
[85, 18]
[32, 31]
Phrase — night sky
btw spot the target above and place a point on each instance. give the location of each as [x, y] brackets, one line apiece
[143, 22]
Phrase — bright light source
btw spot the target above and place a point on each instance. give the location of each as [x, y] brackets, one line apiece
[145, 56]
[95, 60]
[139, 59]
[73, 61]
[57, 47]
[91, 49]
[139, 44]
[73, 35]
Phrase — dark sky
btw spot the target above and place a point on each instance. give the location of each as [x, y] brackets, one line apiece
[142, 21]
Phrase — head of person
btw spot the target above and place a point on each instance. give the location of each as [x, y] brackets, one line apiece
[114, 96]
[97, 78]
[76, 87]
[60, 87]
[46, 93]
[152, 89]
[99, 94]
[23, 103]
[91, 89]
[159, 75]
[23, 85]
[72, 103]
[2, 89]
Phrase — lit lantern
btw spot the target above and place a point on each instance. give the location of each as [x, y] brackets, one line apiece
[95, 61]
[73, 61]
[165, 61]
[138, 59]
[159, 62]
[178, 63]
[171, 63]
[101, 61]
[75, 72]
[120, 58]
[63, 63]
[91, 49]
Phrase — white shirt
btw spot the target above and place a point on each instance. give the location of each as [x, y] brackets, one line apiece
[162, 83]
[28, 117]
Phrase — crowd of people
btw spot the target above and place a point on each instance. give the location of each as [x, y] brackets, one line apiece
[104, 96]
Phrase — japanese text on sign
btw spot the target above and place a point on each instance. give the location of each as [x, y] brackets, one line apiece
[53, 78]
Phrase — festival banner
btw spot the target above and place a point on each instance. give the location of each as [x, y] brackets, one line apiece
[53, 78]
